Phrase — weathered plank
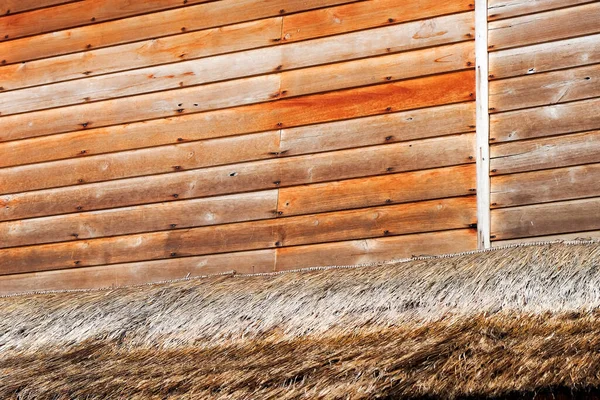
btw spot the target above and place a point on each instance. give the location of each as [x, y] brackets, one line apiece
[376, 191]
[14, 6]
[499, 9]
[410, 94]
[376, 250]
[544, 153]
[150, 161]
[259, 175]
[545, 186]
[231, 66]
[544, 27]
[391, 220]
[590, 235]
[138, 219]
[356, 16]
[545, 121]
[548, 88]
[546, 219]
[545, 57]
[247, 262]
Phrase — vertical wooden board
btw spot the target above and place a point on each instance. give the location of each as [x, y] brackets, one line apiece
[139, 273]
[546, 219]
[499, 9]
[237, 178]
[545, 57]
[139, 219]
[545, 121]
[150, 161]
[376, 250]
[356, 16]
[376, 191]
[546, 186]
[544, 27]
[14, 6]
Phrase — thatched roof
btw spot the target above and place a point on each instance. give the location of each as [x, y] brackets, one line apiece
[513, 321]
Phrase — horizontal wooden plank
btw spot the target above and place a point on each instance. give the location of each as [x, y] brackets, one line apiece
[247, 262]
[499, 9]
[154, 160]
[376, 250]
[546, 219]
[375, 191]
[545, 121]
[356, 16]
[139, 219]
[590, 235]
[547, 88]
[546, 186]
[149, 26]
[545, 57]
[259, 175]
[14, 6]
[391, 220]
[544, 153]
[231, 66]
[544, 27]
[410, 94]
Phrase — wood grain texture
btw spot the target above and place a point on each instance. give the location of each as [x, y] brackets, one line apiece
[544, 27]
[499, 9]
[14, 6]
[589, 235]
[375, 191]
[138, 219]
[247, 262]
[545, 121]
[546, 219]
[546, 186]
[544, 153]
[366, 251]
[545, 57]
[268, 174]
[543, 89]
[419, 217]
[351, 17]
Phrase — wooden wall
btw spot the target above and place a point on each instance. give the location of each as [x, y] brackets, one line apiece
[544, 98]
[158, 139]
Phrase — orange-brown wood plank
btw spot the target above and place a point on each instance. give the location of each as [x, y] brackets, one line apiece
[547, 88]
[247, 262]
[545, 186]
[379, 190]
[376, 250]
[138, 219]
[545, 57]
[356, 16]
[14, 6]
[391, 220]
[544, 27]
[544, 153]
[259, 175]
[546, 219]
[545, 121]
[498, 9]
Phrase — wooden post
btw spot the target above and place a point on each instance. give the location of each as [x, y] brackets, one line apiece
[483, 125]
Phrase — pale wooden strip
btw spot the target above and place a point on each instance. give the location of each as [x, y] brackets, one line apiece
[247, 262]
[546, 186]
[546, 219]
[138, 219]
[590, 235]
[499, 9]
[544, 27]
[545, 121]
[379, 190]
[259, 175]
[14, 6]
[545, 57]
[391, 220]
[351, 17]
[548, 88]
[376, 250]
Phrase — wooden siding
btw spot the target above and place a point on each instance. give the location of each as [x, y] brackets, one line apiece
[544, 123]
[145, 141]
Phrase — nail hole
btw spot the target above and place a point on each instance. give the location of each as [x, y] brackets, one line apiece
[233, 174]
[176, 195]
